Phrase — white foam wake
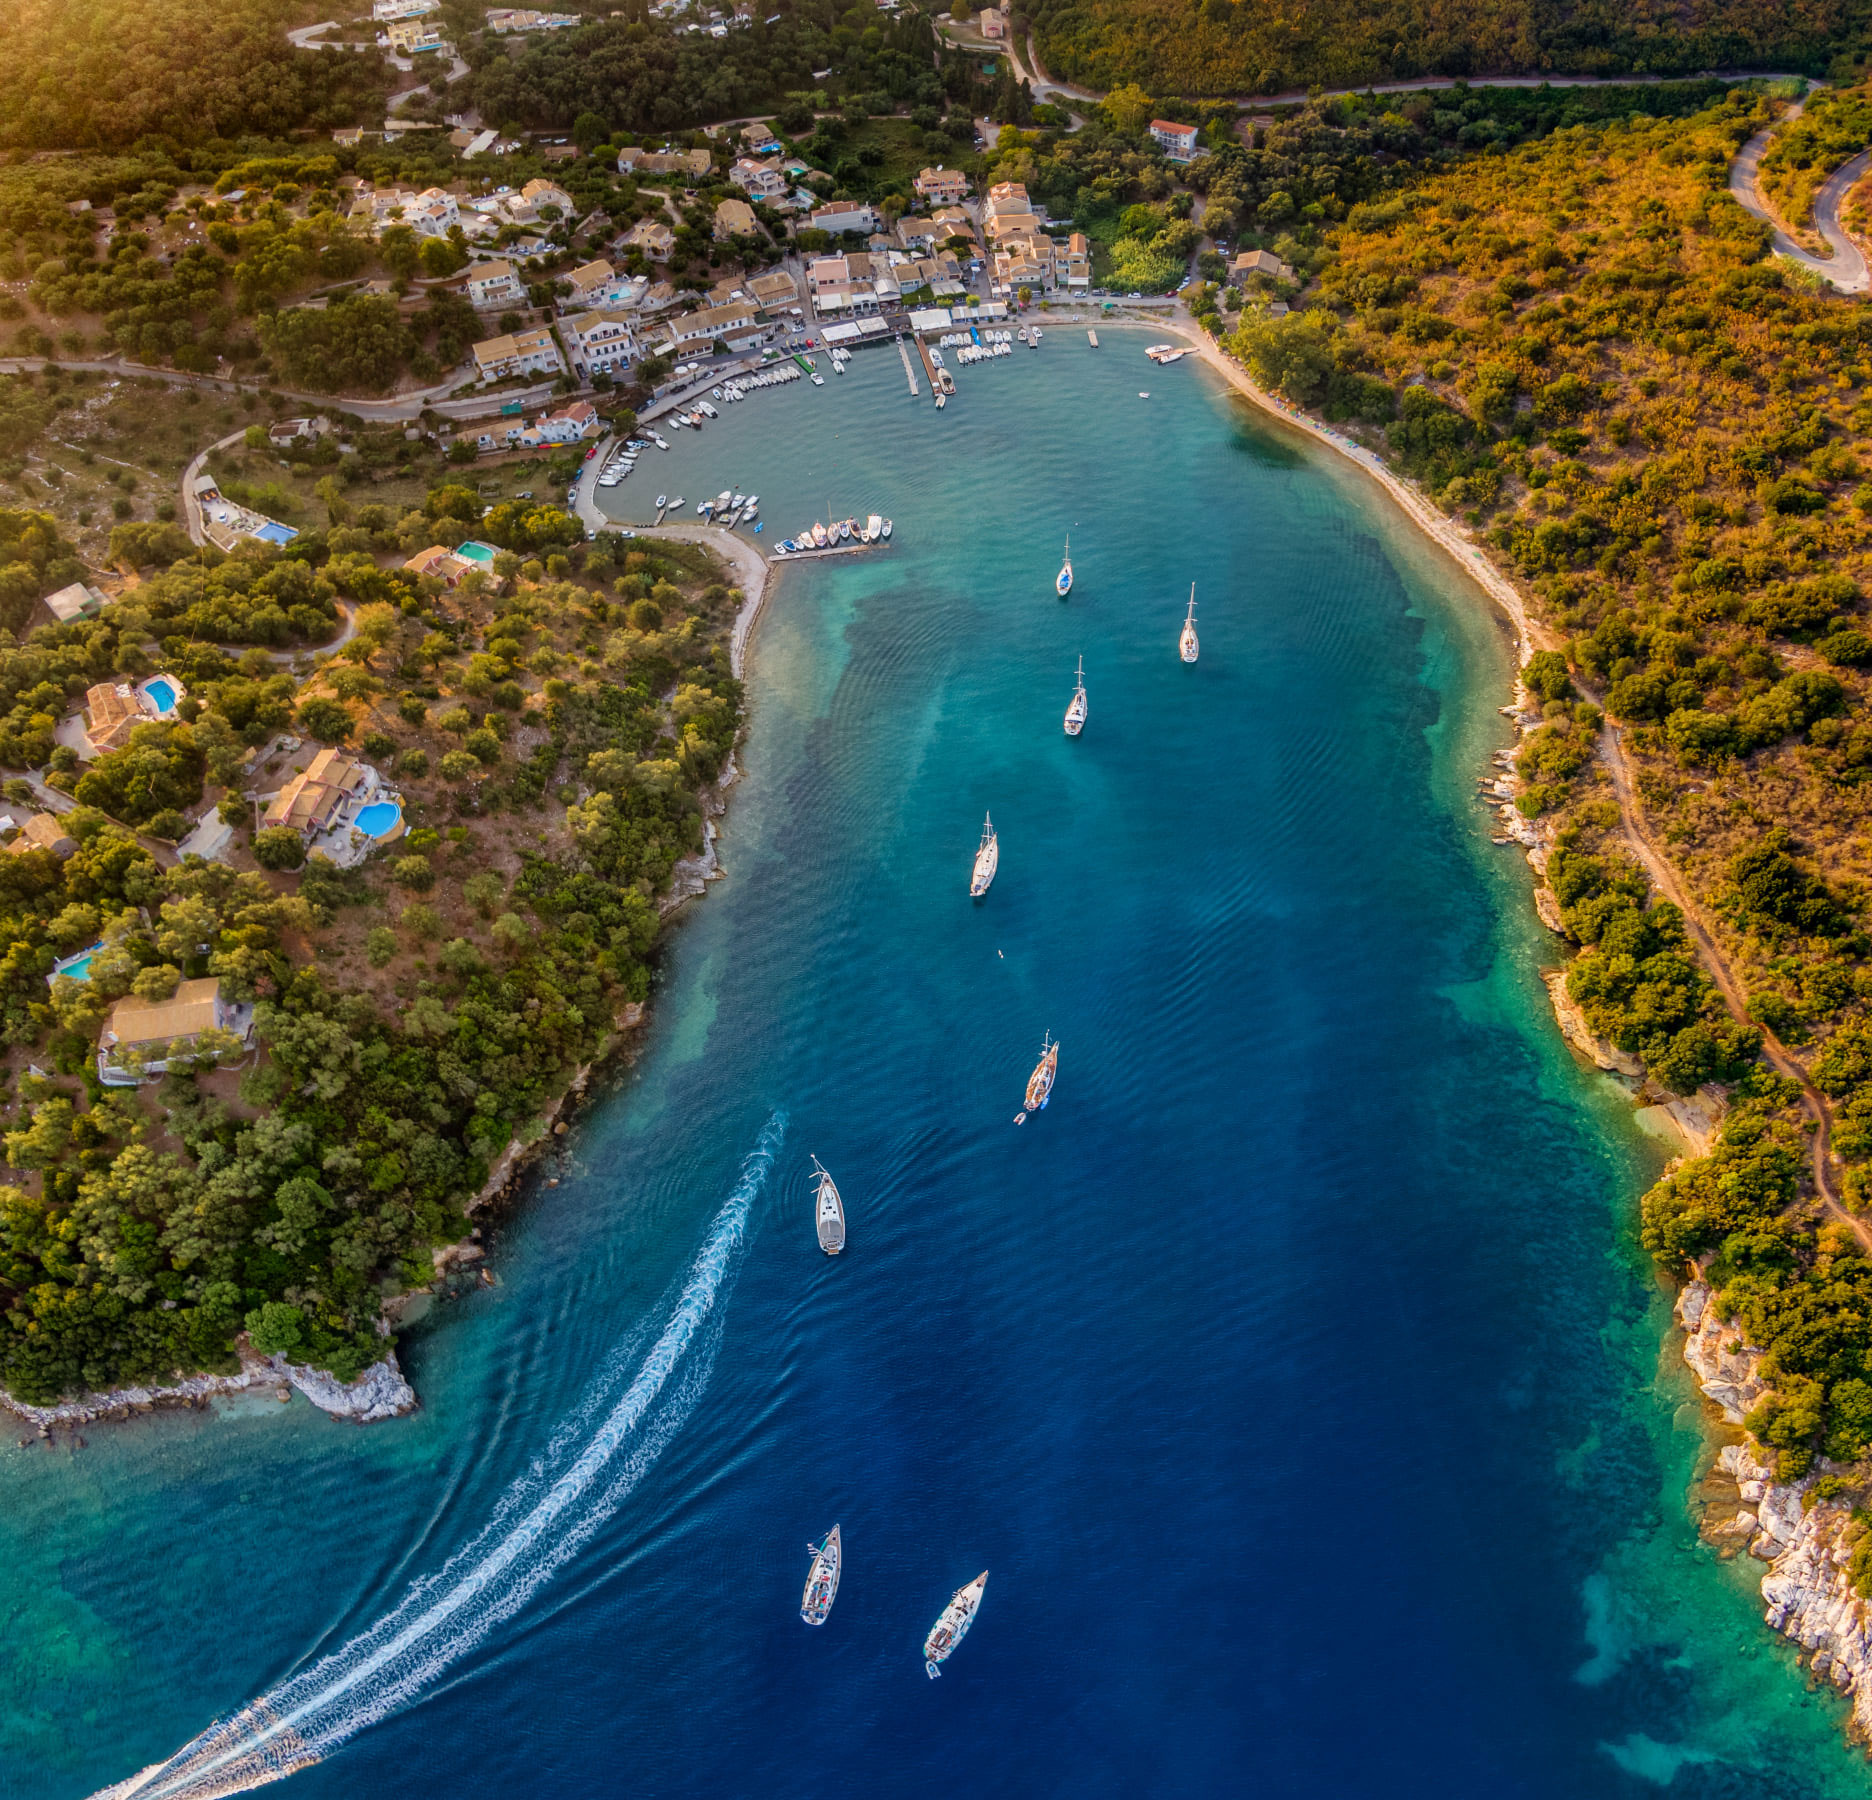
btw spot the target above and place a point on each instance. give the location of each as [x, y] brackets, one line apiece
[593, 1461]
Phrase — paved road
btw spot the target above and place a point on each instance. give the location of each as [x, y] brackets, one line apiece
[403, 407]
[1845, 268]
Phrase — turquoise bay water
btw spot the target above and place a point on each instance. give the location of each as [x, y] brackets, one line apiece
[1295, 1374]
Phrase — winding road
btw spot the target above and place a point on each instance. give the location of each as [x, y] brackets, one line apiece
[1845, 268]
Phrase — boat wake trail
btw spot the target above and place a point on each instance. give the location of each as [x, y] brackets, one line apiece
[632, 1410]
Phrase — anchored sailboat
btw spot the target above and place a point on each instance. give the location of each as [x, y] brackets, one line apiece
[1062, 582]
[822, 1582]
[987, 860]
[830, 1212]
[1040, 1082]
[1076, 712]
[1187, 647]
[952, 1627]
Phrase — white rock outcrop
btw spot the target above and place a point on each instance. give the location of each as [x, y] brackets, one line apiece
[1578, 1033]
[1806, 1542]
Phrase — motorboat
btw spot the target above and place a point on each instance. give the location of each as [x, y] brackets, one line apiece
[662, 500]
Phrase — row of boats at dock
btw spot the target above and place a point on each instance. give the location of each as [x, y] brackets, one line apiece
[841, 534]
[727, 508]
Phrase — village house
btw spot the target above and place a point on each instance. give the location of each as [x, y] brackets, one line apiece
[569, 425]
[1258, 262]
[736, 326]
[113, 709]
[632, 161]
[503, 19]
[529, 205]
[384, 11]
[411, 37]
[993, 23]
[654, 237]
[1178, 142]
[773, 291]
[519, 353]
[761, 180]
[312, 801]
[494, 285]
[43, 831]
[596, 284]
[1074, 269]
[759, 139]
[142, 1036]
[942, 186]
[440, 564]
[842, 216]
[79, 601]
[599, 343]
[735, 218]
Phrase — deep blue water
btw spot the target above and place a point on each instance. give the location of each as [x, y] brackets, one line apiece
[1295, 1373]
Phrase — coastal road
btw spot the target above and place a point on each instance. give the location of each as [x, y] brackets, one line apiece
[403, 408]
[1845, 267]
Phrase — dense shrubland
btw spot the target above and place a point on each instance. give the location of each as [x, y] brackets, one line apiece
[1230, 47]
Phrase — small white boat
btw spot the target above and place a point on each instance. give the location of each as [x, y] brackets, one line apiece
[716, 394]
[1187, 647]
[987, 860]
[887, 530]
[753, 501]
[1062, 582]
[661, 442]
[607, 481]
[822, 1579]
[738, 501]
[874, 527]
[662, 500]
[1076, 711]
[829, 1212]
[818, 380]
[1143, 393]
[676, 503]
[952, 1627]
[942, 400]
[819, 536]
[701, 507]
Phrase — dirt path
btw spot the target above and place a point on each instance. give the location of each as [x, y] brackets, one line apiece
[1665, 879]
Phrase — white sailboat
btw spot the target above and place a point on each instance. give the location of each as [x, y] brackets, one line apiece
[952, 1627]
[987, 860]
[1076, 712]
[829, 1211]
[1062, 582]
[823, 1579]
[1187, 647]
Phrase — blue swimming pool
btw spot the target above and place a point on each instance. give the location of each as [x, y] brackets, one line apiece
[379, 819]
[162, 693]
[77, 967]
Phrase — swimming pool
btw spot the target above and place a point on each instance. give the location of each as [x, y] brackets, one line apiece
[77, 967]
[162, 693]
[379, 819]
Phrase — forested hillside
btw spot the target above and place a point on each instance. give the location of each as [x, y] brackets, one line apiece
[1235, 47]
[87, 74]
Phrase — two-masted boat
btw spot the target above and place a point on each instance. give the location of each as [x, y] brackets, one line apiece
[1062, 582]
[952, 1627]
[1040, 1082]
[1076, 710]
[829, 1211]
[823, 1579]
[987, 860]
[1187, 647]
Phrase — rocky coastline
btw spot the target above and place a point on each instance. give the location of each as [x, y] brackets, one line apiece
[1806, 1540]
[379, 1393]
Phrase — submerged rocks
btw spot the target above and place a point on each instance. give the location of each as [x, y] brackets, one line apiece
[1806, 1541]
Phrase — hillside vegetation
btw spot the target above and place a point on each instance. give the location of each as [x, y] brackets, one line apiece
[1236, 47]
[1582, 345]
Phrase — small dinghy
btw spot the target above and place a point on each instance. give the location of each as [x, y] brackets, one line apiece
[822, 1582]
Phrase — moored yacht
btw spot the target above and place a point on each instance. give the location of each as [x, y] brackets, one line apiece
[1062, 582]
[822, 1579]
[987, 860]
[1187, 646]
[1076, 712]
[875, 526]
[952, 1627]
[1040, 1082]
[829, 1211]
